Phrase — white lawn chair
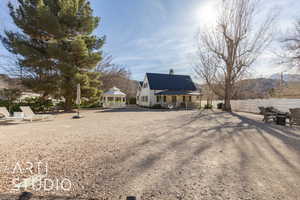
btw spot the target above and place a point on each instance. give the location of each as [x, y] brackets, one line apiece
[7, 117]
[30, 115]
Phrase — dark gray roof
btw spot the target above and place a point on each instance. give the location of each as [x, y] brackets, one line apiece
[170, 82]
[168, 92]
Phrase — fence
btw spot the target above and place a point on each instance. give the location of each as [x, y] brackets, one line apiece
[251, 105]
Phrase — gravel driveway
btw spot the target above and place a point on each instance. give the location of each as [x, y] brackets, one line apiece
[156, 155]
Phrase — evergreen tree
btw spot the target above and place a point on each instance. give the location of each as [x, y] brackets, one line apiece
[11, 95]
[56, 48]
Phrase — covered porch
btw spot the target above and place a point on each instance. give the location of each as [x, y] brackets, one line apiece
[178, 99]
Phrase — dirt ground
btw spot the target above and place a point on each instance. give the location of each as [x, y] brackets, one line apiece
[152, 154]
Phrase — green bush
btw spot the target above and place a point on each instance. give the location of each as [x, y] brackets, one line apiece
[132, 101]
[89, 104]
[220, 105]
[38, 104]
[4, 103]
[12, 107]
[208, 106]
[157, 106]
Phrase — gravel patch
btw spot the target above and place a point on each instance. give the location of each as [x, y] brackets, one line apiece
[154, 154]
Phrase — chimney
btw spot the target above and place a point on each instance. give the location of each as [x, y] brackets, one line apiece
[171, 72]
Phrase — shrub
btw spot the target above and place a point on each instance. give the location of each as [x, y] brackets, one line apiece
[38, 104]
[11, 107]
[4, 103]
[132, 101]
[220, 105]
[208, 106]
[156, 106]
[90, 104]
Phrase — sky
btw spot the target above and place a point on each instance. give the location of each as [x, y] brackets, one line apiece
[157, 35]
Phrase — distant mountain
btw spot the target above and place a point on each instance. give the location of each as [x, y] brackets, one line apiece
[8, 82]
[287, 77]
[255, 88]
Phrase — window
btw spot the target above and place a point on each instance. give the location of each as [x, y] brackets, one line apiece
[174, 99]
[145, 85]
[190, 98]
[110, 99]
[158, 98]
[124, 99]
[183, 98]
[165, 98]
[144, 98]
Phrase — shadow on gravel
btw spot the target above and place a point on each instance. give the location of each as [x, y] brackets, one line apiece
[288, 137]
[138, 109]
[190, 136]
[30, 196]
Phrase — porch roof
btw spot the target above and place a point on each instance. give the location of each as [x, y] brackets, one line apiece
[169, 92]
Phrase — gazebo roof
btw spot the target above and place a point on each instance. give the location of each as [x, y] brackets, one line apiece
[114, 91]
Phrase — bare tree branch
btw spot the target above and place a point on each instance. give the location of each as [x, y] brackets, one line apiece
[226, 51]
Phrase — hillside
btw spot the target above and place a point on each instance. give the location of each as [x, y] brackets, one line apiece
[8, 82]
[290, 90]
[286, 77]
[256, 88]
[266, 88]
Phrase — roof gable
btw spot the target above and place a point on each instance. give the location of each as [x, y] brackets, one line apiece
[170, 82]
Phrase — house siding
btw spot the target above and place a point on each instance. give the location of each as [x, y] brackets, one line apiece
[145, 92]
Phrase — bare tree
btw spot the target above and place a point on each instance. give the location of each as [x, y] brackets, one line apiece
[227, 50]
[116, 75]
[291, 53]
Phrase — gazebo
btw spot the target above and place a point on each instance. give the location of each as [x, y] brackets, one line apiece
[114, 98]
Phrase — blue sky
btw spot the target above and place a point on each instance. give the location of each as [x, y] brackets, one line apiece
[156, 35]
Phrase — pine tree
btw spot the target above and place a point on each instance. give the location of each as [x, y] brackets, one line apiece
[56, 47]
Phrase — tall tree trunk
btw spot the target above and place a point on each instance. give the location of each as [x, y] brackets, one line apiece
[68, 103]
[228, 91]
[68, 94]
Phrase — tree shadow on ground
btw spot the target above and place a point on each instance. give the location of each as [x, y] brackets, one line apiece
[139, 109]
[181, 132]
[30, 196]
[285, 134]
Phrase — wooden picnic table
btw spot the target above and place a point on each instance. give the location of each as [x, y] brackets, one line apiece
[271, 113]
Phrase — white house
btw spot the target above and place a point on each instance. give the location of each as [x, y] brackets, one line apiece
[167, 90]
